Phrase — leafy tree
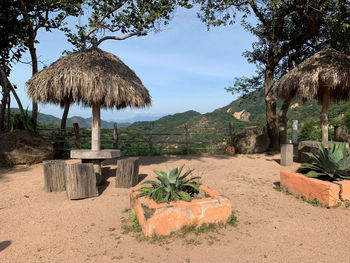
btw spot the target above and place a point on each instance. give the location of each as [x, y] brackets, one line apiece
[282, 28]
[11, 48]
[43, 14]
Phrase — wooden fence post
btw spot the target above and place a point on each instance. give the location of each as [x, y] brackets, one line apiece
[231, 129]
[187, 139]
[115, 136]
[150, 138]
[77, 135]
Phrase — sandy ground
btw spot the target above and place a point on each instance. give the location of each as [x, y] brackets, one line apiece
[36, 226]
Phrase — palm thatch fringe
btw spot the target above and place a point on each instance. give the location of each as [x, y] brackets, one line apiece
[327, 68]
[89, 77]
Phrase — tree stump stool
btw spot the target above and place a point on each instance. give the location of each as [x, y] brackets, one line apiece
[127, 172]
[54, 175]
[80, 181]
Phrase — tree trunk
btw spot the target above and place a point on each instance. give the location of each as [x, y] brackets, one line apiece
[32, 51]
[34, 59]
[127, 172]
[64, 116]
[282, 121]
[63, 125]
[5, 94]
[9, 112]
[80, 181]
[34, 71]
[271, 105]
[13, 90]
[324, 115]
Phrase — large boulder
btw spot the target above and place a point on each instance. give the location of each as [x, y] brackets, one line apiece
[251, 142]
[23, 147]
[341, 133]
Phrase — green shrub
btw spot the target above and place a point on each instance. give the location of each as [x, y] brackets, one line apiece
[310, 131]
[330, 164]
[171, 186]
[22, 122]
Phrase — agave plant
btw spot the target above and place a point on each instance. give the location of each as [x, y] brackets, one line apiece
[332, 164]
[172, 186]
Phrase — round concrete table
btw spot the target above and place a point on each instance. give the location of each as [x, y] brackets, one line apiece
[95, 157]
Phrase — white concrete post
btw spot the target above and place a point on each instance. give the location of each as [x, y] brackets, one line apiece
[96, 129]
[294, 131]
[287, 154]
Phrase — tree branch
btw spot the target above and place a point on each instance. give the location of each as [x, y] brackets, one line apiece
[102, 18]
[118, 38]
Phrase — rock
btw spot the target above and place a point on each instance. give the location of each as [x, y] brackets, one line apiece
[23, 147]
[229, 110]
[295, 105]
[312, 147]
[251, 142]
[307, 146]
[339, 117]
[242, 115]
[341, 133]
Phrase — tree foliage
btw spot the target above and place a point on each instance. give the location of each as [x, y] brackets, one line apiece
[119, 20]
[287, 31]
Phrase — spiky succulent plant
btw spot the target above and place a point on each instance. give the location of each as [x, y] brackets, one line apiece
[171, 186]
[332, 164]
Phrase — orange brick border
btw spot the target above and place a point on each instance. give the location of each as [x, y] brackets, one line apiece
[326, 193]
[162, 219]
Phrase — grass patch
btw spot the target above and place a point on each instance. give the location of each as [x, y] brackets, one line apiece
[313, 202]
[6, 165]
[189, 235]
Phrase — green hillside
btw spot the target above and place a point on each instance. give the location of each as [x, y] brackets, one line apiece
[255, 105]
[83, 122]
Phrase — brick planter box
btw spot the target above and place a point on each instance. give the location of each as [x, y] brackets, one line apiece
[326, 192]
[162, 219]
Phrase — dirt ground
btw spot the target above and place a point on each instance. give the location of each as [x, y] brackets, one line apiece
[36, 226]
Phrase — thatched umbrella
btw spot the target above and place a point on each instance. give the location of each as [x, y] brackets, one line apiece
[93, 78]
[325, 76]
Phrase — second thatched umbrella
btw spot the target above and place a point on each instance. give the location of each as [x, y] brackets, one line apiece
[325, 76]
[93, 78]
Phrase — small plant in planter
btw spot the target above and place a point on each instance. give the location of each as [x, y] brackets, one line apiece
[332, 164]
[172, 186]
[175, 201]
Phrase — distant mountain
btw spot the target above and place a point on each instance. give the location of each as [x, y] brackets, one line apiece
[83, 122]
[254, 104]
[175, 120]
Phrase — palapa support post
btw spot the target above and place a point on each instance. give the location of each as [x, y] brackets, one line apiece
[54, 175]
[95, 131]
[127, 172]
[294, 131]
[324, 115]
[80, 181]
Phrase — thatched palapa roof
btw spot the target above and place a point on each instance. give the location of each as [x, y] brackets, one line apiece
[89, 77]
[328, 67]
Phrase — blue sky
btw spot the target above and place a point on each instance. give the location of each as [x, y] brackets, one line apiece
[184, 67]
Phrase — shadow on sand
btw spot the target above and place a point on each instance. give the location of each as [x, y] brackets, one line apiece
[4, 244]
